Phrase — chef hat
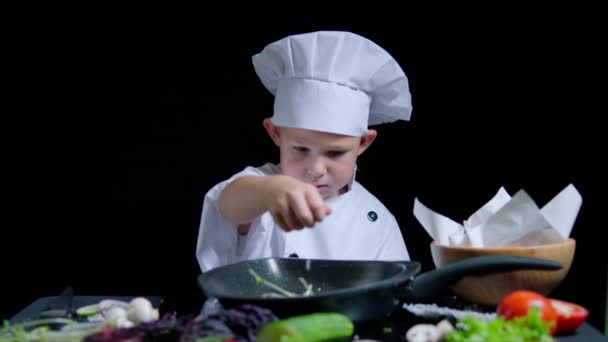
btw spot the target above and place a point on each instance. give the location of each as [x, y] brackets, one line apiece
[333, 81]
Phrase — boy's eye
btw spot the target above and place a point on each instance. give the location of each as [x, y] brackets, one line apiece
[300, 149]
[335, 154]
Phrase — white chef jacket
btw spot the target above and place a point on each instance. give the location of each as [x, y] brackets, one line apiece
[360, 227]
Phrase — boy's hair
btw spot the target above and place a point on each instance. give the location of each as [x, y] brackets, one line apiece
[333, 81]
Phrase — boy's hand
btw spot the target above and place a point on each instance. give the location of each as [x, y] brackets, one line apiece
[295, 204]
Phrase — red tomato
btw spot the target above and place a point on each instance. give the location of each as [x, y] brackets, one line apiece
[518, 304]
[570, 316]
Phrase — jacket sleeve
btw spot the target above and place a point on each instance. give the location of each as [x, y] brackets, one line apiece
[217, 236]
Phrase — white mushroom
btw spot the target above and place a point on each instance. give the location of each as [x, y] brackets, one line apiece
[118, 317]
[423, 333]
[444, 327]
[115, 313]
[123, 322]
[141, 311]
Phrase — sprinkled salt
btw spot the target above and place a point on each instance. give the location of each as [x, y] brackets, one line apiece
[433, 310]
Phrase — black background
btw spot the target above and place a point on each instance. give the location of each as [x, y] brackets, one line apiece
[117, 118]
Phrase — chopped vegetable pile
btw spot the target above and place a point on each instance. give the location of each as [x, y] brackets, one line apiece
[521, 316]
[48, 330]
[137, 321]
[235, 324]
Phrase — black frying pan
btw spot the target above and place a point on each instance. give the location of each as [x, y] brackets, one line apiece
[362, 290]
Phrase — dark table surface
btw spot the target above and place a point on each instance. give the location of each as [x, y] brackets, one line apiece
[393, 329]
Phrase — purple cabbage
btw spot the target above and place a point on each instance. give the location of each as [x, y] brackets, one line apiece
[240, 323]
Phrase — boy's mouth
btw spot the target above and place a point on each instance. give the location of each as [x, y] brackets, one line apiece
[320, 186]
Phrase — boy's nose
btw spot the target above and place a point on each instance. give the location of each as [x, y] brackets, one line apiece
[316, 169]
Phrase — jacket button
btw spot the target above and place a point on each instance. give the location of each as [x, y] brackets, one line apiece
[372, 216]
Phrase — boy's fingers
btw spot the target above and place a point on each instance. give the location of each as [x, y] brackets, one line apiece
[319, 214]
[291, 222]
[301, 212]
[316, 205]
[278, 218]
[288, 214]
[295, 218]
[292, 216]
[284, 219]
[323, 211]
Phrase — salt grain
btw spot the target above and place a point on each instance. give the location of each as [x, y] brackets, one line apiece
[433, 311]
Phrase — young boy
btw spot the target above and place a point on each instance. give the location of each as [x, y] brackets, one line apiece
[328, 87]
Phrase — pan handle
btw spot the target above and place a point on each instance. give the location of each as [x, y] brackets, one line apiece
[437, 282]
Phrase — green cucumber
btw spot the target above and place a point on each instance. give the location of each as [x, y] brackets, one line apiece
[88, 310]
[320, 326]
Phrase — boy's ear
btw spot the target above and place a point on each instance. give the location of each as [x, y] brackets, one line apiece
[273, 131]
[367, 140]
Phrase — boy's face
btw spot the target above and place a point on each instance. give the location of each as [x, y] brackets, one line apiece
[325, 160]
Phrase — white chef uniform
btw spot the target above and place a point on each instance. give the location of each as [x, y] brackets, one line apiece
[329, 81]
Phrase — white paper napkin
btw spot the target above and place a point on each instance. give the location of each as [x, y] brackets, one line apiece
[506, 221]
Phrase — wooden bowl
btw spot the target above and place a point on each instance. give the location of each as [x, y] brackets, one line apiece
[490, 289]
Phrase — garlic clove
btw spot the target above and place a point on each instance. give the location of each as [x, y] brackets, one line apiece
[123, 322]
[423, 333]
[141, 311]
[115, 313]
[155, 314]
[444, 327]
